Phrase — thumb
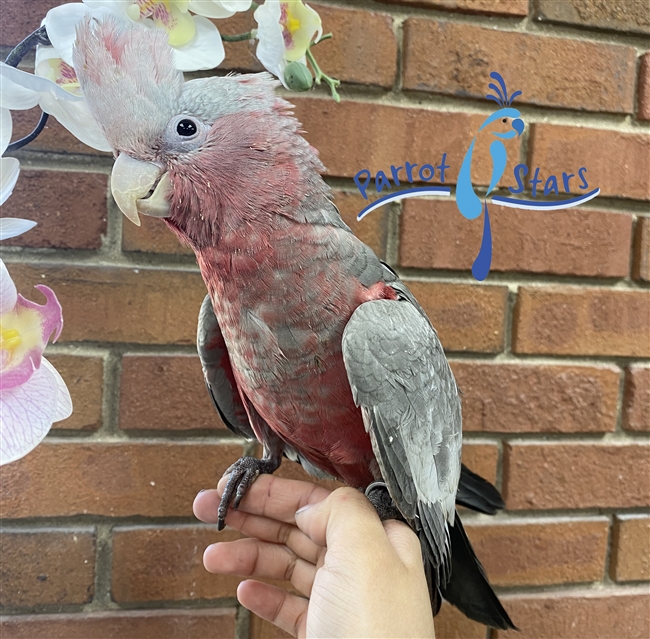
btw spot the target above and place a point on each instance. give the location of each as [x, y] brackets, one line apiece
[345, 516]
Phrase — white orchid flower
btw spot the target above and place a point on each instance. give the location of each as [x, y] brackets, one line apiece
[32, 393]
[285, 31]
[9, 167]
[21, 90]
[195, 40]
[218, 8]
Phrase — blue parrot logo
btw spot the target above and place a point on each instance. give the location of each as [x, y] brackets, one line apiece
[503, 124]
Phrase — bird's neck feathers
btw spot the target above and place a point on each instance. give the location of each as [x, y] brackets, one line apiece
[256, 172]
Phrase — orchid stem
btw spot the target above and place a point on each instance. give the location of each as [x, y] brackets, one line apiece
[327, 36]
[331, 82]
[240, 37]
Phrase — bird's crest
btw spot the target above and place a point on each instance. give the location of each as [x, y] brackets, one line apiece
[128, 78]
[501, 97]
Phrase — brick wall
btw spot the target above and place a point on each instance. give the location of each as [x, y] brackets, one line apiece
[552, 351]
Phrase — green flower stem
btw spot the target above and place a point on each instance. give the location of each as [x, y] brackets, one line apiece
[237, 38]
[331, 82]
[254, 6]
[327, 36]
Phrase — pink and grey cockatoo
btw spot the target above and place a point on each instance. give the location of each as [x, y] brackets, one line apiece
[309, 343]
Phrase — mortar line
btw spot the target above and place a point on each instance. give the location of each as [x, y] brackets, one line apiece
[242, 623]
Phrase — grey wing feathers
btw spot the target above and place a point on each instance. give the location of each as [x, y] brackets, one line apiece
[402, 382]
[218, 374]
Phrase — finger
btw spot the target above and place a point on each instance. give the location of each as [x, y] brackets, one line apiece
[269, 496]
[345, 519]
[255, 558]
[405, 542]
[275, 532]
[288, 612]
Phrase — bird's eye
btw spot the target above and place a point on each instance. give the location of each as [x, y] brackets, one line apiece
[184, 133]
[504, 121]
[187, 128]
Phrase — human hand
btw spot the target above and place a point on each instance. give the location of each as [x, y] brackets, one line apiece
[360, 577]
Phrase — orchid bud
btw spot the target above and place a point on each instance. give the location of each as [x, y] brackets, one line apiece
[298, 77]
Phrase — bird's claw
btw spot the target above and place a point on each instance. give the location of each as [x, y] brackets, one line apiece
[242, 474]
[378, 496]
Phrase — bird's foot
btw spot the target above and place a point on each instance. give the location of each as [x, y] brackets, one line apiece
[242, 474]
[378, 495]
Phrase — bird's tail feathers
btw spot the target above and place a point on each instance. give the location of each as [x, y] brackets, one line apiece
[477, 493]
[468, 588]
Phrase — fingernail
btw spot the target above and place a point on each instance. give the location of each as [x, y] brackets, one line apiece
[302, 510]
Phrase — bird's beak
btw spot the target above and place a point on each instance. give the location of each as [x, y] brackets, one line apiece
[518, 125]
[140, 187]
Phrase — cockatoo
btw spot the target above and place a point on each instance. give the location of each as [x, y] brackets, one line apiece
[314, 347]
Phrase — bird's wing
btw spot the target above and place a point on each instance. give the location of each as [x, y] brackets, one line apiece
[219, 377]
[410, 403]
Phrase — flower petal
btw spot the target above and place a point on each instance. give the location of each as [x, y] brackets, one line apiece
[13, 226]
[22, 90]
[61, 24]
[8, 293]
[270, 48]
[27, 412]
[63, 408]
[5, 129]
[33, 324]
[309, 25]
[9, 170]
[218, 8]
[76, 117]
[204, 51]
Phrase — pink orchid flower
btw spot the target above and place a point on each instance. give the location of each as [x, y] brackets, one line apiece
[32, 393]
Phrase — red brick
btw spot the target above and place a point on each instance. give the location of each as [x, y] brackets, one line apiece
[576, 475]
[496, 7]
[165, 392]
[351, 136]
[455, 58]
[617, 163]
[636, 404]
[575, 321]
[17, 24]
[362, 51]
[567, 242]
[541, 552]
[54, 567]
[631, 15]
[216, 623]
[84, 378]
[630, 559]
[467, 317]
[75, 218]
[643, 91]
[166, 564]
[152, 236]
[610, 613]
[112, 479]
[516, 398]
[641, 266]
[54, 137]
[482, 459]
[112, 304]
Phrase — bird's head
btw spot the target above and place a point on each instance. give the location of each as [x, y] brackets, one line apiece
[504, 124]
[198, 153]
